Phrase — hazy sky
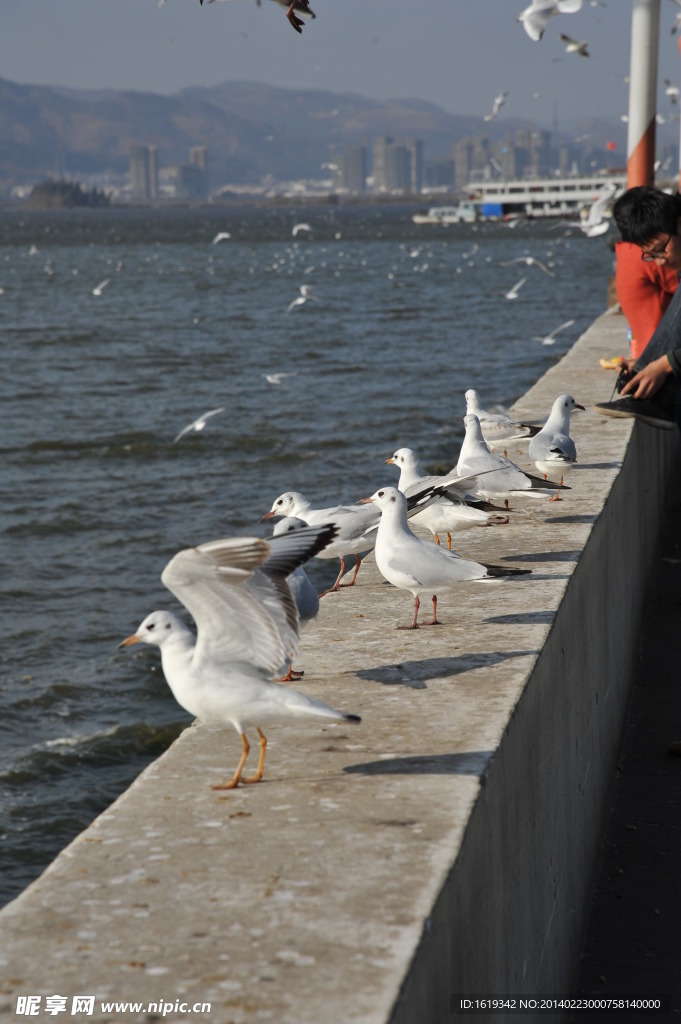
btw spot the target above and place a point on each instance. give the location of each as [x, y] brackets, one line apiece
[456, 53]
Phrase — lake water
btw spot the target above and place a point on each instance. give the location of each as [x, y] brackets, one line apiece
[96, 498]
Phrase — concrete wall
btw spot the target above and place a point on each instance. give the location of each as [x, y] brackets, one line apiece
[445, 845]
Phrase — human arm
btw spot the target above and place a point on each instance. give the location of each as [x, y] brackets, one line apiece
[648, 381]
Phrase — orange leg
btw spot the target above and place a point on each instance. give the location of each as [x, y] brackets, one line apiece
[338, 579]
[290, 676]
[556, 496]
[352, 581]
[414, 624]
[435, 621]
[236, 778]
[261, 762]
[449, 541]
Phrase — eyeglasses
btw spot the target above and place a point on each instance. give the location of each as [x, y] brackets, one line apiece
[657, 254]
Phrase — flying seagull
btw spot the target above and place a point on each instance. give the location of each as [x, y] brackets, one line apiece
[535, 18]
[496, 106]
[293, 9]
[550, 338]
[198, 424]
[575, 45]
[512, 293]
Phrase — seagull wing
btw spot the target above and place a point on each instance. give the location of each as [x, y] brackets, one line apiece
[556, 330]
[233, 624]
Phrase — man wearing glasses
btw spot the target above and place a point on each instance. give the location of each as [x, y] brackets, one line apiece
[650, 385]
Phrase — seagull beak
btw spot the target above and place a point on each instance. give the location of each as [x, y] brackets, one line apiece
[368, 501]
[268, 515]
[134, 639]
[389, 461]
[577, 406]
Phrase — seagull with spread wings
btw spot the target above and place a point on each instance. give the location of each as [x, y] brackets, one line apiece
[247, 626]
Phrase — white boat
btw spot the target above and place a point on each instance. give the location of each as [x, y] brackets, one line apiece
[462, 213]
[540, 197]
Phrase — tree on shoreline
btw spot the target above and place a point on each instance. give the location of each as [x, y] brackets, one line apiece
[56, 194]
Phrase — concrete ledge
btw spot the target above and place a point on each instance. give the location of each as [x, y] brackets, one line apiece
[445, 845]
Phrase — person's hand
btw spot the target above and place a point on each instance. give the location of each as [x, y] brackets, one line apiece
[648, 381]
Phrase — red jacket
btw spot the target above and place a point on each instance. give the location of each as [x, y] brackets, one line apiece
[644, 290]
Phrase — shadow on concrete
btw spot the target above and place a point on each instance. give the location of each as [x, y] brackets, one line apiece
[587, 518]
[547, 556]
[415, 674]
[474, 762]
[524, 618]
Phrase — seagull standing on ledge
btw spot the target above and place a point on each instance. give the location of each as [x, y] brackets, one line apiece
[355, 529]
[508, 480]
[497, 426]
[247, 625]
[552, 449]
[410, 563]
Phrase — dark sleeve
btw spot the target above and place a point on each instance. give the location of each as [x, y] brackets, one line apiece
[674, 358]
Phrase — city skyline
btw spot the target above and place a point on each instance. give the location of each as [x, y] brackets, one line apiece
[458, 55]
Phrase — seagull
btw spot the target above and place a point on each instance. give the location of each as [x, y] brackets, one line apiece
[452, 511]
[199, 423]
[297, 228]
[509, 480]
[574, 46]
[530, 261]
[513, 293]
[354, 525]
[305, 294]
[410, 563]
[553, 448]
[595, 222]
[550, 339]
[497, 426]
[246, 624]
[276, 378]
[535, 18]
[303, 592]
[221, 237]
[292, 9]
[496, 106]
[101, 286]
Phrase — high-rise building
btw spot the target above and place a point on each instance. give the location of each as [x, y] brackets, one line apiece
[153, 171]
[379, 150]
[144, 172]
[415, 151]
[354, 169]
[139, 172]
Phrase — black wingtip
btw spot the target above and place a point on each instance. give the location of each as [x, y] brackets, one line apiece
[352, 718]
[506, 570]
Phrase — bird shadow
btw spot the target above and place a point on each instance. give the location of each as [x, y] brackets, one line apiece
[599, 465]
[415, 674]
[548, 556]
[585, 518]
[473, 762]
[524, 619]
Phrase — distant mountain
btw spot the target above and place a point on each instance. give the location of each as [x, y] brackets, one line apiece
[251, 130]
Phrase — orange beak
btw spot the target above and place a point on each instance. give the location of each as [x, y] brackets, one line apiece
[389, 461]
[365, 501]
[134, 639]
[268, 515]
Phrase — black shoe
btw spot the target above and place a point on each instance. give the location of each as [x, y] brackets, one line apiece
[641, 409]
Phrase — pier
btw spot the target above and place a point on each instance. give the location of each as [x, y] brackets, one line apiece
[448, 844]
